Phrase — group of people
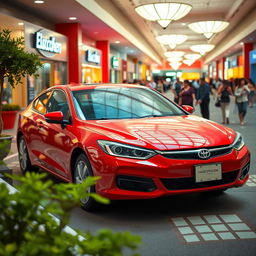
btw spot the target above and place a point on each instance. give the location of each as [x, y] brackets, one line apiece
[198, 93]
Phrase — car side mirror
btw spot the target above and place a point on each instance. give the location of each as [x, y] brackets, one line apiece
[54, 117]
[188, 108]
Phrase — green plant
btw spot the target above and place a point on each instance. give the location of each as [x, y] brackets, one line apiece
[10, 107]
[15, 63]
[27, 229]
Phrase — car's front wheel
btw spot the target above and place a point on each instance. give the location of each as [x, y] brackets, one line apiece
[25, 164]
[82, 170]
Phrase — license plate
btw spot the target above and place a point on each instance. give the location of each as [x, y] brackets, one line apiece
[208, 172]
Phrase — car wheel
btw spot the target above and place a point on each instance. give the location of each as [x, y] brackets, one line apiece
[25, 164]
[82, 170]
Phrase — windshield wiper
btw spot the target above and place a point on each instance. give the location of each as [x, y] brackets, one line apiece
[152, 116]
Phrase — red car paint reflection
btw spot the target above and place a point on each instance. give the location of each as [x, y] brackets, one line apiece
[139, 142]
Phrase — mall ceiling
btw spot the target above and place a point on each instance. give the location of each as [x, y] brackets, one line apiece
[122, 12]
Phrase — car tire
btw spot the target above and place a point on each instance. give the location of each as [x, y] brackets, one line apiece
[82, 170]
[24, 160]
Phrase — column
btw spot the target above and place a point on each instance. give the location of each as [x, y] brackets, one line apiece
[73, 31]
[217, 70]
[223, 67]
[104, 47]
[246, 52]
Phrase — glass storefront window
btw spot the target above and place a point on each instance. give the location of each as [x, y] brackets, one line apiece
[7, 93]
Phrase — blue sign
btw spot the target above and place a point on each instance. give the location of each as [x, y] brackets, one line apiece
[253, 57]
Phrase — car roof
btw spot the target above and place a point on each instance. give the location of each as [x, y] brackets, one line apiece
[78, 87]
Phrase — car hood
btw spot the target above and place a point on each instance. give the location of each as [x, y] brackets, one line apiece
[165, 133]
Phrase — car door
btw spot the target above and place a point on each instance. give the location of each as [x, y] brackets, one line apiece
[58, 140]
[33, 128]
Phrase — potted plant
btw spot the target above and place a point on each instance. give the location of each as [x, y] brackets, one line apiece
[9, 113]
[15, 64]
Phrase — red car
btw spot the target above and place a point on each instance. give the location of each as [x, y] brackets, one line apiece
[139, 142]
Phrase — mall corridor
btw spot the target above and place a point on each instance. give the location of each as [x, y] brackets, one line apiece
[157, 98]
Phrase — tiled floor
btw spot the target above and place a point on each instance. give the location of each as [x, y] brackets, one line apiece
[213, 228]
[252, 181]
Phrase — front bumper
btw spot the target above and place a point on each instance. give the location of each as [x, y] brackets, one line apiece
[123, 178]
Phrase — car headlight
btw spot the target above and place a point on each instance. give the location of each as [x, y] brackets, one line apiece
[123, 150]
[238, 142]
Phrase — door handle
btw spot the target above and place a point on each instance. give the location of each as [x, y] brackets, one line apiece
[40, 124]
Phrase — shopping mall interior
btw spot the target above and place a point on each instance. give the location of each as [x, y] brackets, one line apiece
[151, 43]
[114, 41]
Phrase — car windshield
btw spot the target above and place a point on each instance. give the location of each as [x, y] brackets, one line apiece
[122, 103]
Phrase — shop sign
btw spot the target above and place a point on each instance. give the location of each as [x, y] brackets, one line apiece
[93, 56]
[47, 45]
[115, 62]
[253, 57]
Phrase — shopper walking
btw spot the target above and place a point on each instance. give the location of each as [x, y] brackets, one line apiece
[223, 94]
[203, 98]
[187, 94]
[176, 90]
[252, 94]
[241, 92]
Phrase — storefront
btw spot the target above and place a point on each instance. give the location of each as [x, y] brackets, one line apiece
[130, 71]
[253, 65]
[52, 50]
[115, 72]
[91, 65]
[234, 67]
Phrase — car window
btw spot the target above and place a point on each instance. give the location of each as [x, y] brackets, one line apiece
[58, 102]
[41, 102]
[122, 103]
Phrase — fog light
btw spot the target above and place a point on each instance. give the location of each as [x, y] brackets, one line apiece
[245, 171]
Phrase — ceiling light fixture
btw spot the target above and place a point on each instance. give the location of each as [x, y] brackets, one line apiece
[192, 56]
[38, 1]
[208, 28]
[175, 65]
[188, 62]
[72, 18]
[163, 12]
[202, 48]
[176, 59]
[117, 42]
[174, 54]
[20, 23]
[171, 40]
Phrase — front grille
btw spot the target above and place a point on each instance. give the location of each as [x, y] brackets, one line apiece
[189, 183]
[133, 183]
[193, 154]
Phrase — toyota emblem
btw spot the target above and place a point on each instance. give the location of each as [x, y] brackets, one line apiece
[204, 153]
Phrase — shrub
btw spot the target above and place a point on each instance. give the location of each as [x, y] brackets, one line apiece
[10, 107]
[27, 228]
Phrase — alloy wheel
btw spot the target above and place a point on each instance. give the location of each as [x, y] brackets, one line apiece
[23, 154]
[82, 172]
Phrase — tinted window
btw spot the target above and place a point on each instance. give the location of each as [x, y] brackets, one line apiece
[122, 103]
[41, 102]
[58, 102]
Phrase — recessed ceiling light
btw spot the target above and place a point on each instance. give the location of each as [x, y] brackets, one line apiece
[241, 43]
[20, 23]
[72, 18]
[117, 42]
[38, 1]
[183, 24]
